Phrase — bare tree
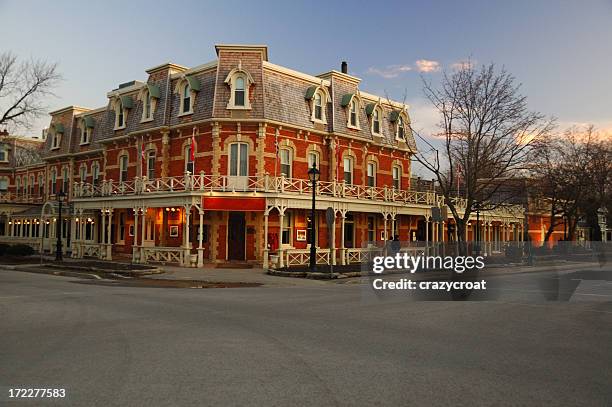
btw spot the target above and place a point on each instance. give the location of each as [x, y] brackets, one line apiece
[487, 133]
[24, 86]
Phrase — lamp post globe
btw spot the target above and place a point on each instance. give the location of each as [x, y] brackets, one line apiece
[313, 176]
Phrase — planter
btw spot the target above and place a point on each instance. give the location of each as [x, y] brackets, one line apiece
[193, 260]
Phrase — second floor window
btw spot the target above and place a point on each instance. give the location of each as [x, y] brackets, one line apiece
[151, 165]
[17, 186]
[123, 168]
[3, 184]
[41, 185]
[348, 170]
[285, 162]
[313, 158]
[189, 167]
[371, 174]
[397, 176]
[95, 173]
[238, 164]
[83, 173]
[65, 180]
[3, 153]
[53, 182]
[32, 186]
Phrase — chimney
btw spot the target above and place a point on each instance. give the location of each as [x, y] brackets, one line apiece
[344, 67]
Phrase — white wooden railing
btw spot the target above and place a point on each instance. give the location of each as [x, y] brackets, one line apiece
[223, 183]
[91, 250]
[360, 255]
[20, 198]
[301, 257]
[163, 254]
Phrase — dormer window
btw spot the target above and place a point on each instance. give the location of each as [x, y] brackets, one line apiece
[401, 131]
[376, 115]
[318, 107]
[318, 97]
[120, 122]
[186, 99]
[3, 153]
[239, 81]
[351, 103]
[149, 95]
[56, 140]
[86, 128]
[146, 107]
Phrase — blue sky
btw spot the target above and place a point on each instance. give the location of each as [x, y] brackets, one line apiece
[560, 50]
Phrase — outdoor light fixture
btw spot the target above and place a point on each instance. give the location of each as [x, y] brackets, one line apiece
[313, 175]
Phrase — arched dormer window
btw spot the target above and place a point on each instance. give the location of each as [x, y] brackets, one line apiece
[400, 121]
[351, 103]
[187, 88]
[318, 97]
[86, 129]
[376, 120]
[56, 137]
[121, 106]
[149, 95]
[239, 81]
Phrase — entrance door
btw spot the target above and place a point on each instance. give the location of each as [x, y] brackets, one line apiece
[235, 236]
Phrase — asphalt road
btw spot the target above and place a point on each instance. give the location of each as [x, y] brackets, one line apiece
[334, 344]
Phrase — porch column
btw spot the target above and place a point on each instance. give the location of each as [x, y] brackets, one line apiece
[342, 248]
[201, 239]
[143, 229]
[73, 227]
[281, 219]
[332, 243]
[186, 243]
[266, 263]
[135, 250]
[103, 234]
[384, 227]
[82, 235]
[392, 226]
[109, 246]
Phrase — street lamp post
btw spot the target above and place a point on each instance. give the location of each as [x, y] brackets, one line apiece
[58, 249]
[313, 175]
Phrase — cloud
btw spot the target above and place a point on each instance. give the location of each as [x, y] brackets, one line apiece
[463, 64]
[425, 65]
[389, 72]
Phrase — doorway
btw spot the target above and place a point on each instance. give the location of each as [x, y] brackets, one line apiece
[236, 230]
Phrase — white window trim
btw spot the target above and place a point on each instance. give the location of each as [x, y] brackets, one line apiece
[378, 110]
[81, 168]
[5, 149]
[291, 230]
[118, 105]
[148, 157]
[192, 95]
[127, 165]
[85, 135]
[231, 81]
[317, 159]
[58, 137]
[403, 117]
[290, 150]
[399, 173]
[187, 160]
[324, 99]
[229, 159]
[143, 95]
[370, 162]
[352, 165]
[353, 102]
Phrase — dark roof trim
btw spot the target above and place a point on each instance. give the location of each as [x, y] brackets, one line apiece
[394, 116]
[153, 91]
[127, 102]
[310, 92]
[346, 99]
[89, 122]
[370, 109]
[58, 127]
[193, 82]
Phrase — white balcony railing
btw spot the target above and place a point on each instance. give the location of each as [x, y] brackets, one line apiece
[270, 184]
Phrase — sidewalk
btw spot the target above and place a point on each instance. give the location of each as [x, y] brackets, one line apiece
[252, 275]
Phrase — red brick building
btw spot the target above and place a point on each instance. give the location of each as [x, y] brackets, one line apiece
[209, 164]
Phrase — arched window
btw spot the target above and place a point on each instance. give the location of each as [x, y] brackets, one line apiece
[376, 115]
[186, 99]
[286, 162]
[371, 174]
[348, 170]
[151, 164]
[189, 167]
[95, 173]
[55, 140]
[17, 186]
[83, 173]
[119, 113]
[318, 106]
[401, 130]
[32, 181]
[65, 180]
[239, 92]
[313, 158]
[123, 168]
[53, 181]
[238, 162]
[353, 119]
[41, 185]
[397, 177]
[146, 106]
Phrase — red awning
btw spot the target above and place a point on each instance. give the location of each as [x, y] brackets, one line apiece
[222, 203]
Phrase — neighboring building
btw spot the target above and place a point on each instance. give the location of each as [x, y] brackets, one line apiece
[209, 164]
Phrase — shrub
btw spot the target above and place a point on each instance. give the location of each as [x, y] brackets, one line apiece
[20, 250]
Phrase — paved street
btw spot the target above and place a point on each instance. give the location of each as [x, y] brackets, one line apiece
[320, 344]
